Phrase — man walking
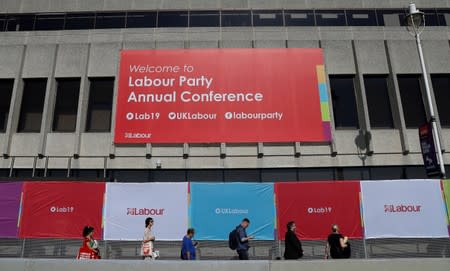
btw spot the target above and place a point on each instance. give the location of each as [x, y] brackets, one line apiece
[243, 244]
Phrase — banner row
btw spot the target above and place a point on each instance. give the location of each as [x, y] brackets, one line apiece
[117, 211]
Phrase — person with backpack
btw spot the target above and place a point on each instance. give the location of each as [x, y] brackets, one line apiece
[338, 246]
[239, 241]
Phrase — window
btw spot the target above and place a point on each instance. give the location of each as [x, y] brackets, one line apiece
[80, 21]
[431, 18]
[205, 175]
[164, 175]
[314, 174]
[378, 102]
[173, 19]
[110, 20]
[413, 109]
[279, 175]
[344, 103]
[299, 18]
[361, 18]
[390, 17]
[443, 16]
[100, 105]
[20, 23]
[330, 18]
[242, 175]
[204, 19]
[236, 18]
[2, 22]
[6, 89]
[66, 106]
[141, 19]
[267, 18]
[49, 22]
[441, 87]
[33, 99]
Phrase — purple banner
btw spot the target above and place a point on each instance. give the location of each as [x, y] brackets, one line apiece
[9, 209]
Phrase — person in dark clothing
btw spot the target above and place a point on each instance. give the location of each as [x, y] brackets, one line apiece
[337, 245]
[243, 246]
[292, 245]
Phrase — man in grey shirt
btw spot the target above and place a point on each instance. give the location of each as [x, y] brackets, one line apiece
[243, 245]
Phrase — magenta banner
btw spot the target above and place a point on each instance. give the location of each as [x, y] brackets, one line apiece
[10, 194]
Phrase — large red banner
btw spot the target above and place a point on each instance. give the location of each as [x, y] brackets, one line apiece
[61, 209]
[315, 206]
[222, 95]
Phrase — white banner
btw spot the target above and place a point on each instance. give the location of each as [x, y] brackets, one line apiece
[403, 208]
[127, 206]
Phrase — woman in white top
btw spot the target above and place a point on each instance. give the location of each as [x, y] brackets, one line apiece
[149, 238]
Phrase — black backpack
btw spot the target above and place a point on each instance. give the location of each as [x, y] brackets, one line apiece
[233, 239]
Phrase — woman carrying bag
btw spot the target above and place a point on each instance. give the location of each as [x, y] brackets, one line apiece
[147, 249]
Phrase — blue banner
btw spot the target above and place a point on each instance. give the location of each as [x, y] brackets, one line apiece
[217, 208]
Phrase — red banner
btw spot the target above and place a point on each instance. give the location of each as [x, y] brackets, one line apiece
[61, 209]
[315, 206]
[222, 95]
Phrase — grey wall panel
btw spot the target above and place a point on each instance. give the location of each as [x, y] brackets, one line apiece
[145, 4]
[66, 5]
[35, 5]
[3, 140]
[335, 33]
[302, 44]
[242, 149]
[71, 60]
[38, 61]
[10, 6]
[59, 144]
[117, 5]
[270, 44]
[234, 4]
[139, 35]
[23, 162]
[312, 149]
[174, 4]
[372, 57]
[129, 162]
[386, 141]
[88, 163]
[446, 140]
[170, 44]
[95, 144]
[413, 139]
[404, 56]
[235, 44]
[270, 33]
[204, 150]
[237, 33]
[85, 5]
[103, 59]
[203, 44]
[57, 163]
[339, 57]
[345, 141]
[204, 4]
[278, 149]
[10, 60]
[204, 34]
[264, 4]
[208, 163]
[141, 45]
[167, 150]
[368, 33]
[303, 33]
[138, 150]
[437, 55]
[25, 144]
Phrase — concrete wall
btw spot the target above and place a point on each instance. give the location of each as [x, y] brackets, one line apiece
[136, 265]
[16, 6]
[92, 53]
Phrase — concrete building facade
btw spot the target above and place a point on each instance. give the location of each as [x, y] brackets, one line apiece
[357, 52]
